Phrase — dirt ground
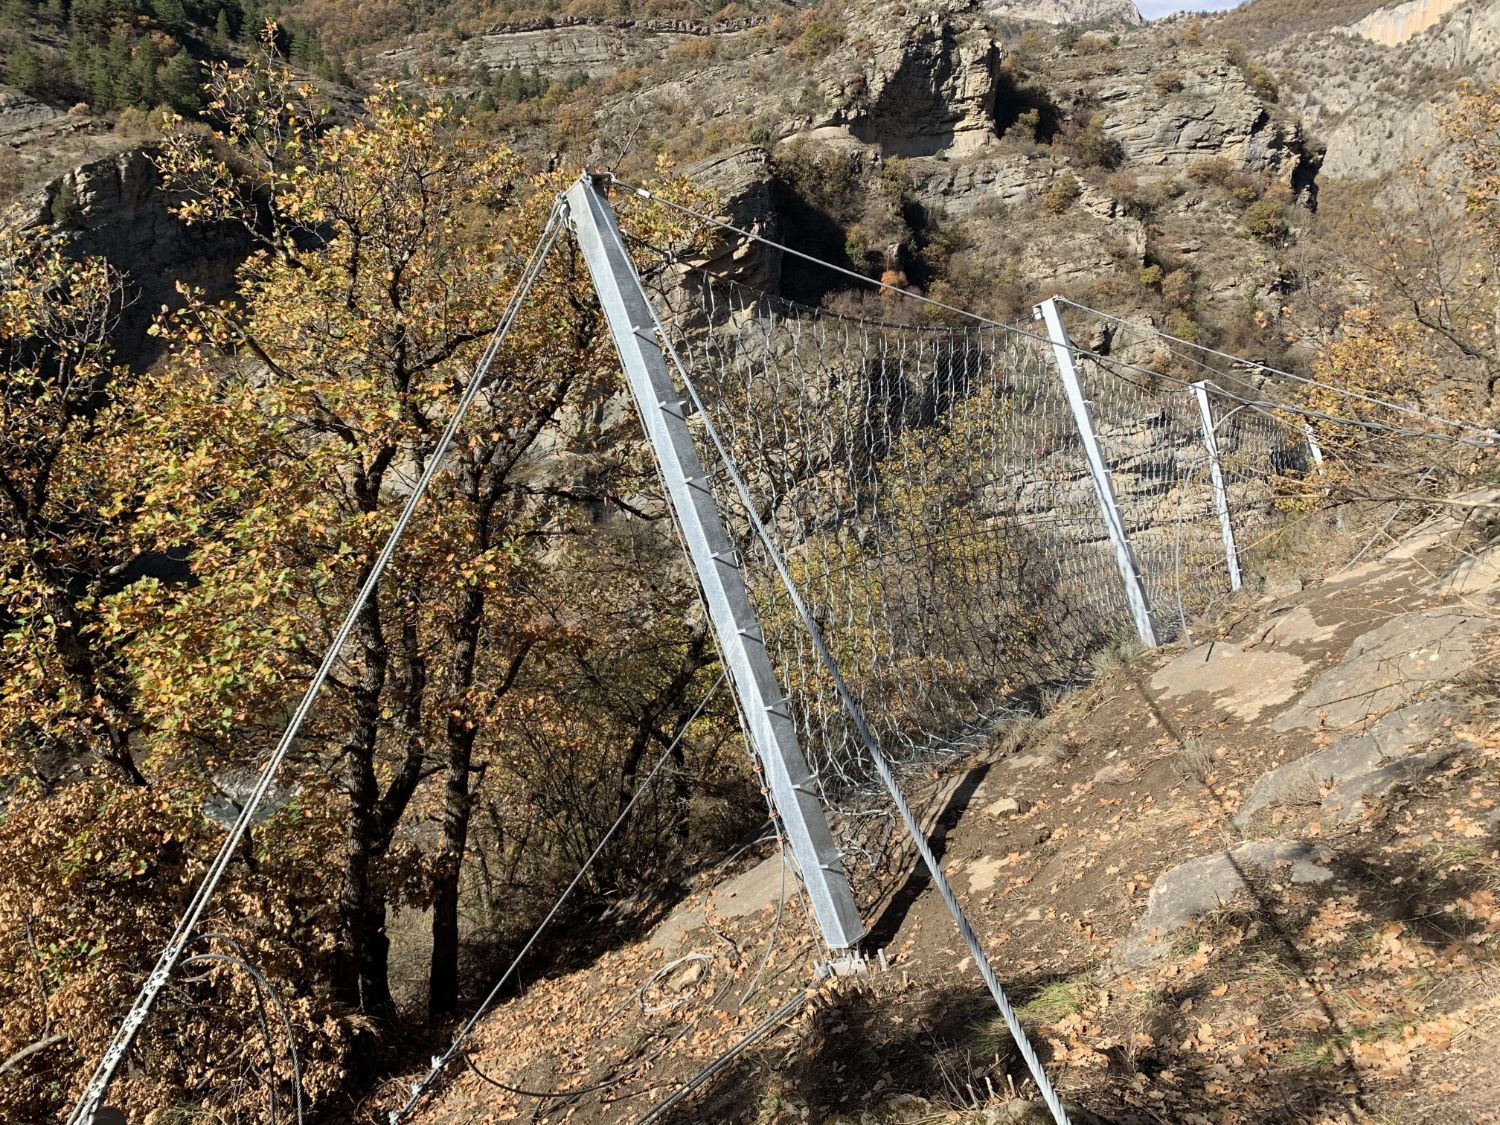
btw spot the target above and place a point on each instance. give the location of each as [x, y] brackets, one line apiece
[1327, 956]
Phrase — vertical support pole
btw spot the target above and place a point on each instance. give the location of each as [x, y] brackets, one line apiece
[725, 594]
[1317, 456]
[1313, 447]
[1104, 489]
[1221, 498]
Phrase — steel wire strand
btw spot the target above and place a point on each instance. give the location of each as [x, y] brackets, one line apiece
[88, 1104]
[872, 748]
[1485, 436]
[911, 388]
[1470, 435]
[758, 1032]
[421, 1088]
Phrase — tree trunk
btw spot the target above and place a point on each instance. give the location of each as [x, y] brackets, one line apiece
[442, 995]
[442, 987]
[361, 974]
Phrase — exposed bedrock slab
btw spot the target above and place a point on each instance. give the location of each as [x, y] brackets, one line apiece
[1245, 682]
[1388, 667]
[1200, 885]
[1296, 627]
[760, 887]
[1475, 576]
[1367, 763]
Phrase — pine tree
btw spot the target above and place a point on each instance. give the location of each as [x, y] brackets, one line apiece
[223, 33]
[110, 76]
[181, 84]
[513, 85]
[15, 14]
[24, 70]
[64, 209]
[171, 15]
[145, 61]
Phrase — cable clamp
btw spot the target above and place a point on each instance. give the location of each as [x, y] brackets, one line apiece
[851, 963]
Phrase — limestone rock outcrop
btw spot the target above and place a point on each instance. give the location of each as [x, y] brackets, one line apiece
[1209, 111]
[1067, 11]
[742, 179]
[38, 141]
[1372, 91]
[914, 82]
[1393, 26]
[123, 215]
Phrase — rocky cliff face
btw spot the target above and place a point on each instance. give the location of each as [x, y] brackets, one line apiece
[914, 84]
[597, 49]
[1371, 91]
[39, 142]
[123, 216]
[1390, 27]
[927, 96]
[1095, 12]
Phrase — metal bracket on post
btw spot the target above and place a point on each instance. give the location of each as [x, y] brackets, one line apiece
[1221, 498]
[725, 595]
[1135, 590]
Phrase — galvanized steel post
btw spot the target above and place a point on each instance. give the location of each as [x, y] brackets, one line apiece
[664, 416]
[1216, 475]
[1104, 489]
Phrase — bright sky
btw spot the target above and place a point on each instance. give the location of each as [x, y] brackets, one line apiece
[1153, 9]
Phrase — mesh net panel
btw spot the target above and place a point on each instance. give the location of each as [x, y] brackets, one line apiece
[927, 489]
[1296, 448]
[926, 485]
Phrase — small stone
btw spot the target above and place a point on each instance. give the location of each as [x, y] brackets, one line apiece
[1284, 588]
[1018, 1111]
[1005, 806]
[689, 975]
[1200, 885]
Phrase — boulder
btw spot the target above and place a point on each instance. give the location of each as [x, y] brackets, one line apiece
[1388, 667]
[1367, 763]
[1201, 885]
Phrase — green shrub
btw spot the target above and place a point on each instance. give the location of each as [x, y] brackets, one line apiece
[1177, 290]
[818, 38]
[1246, 186]
[1214, 171]
[64, 210]
[1261, 81]
[1266, 221]
[895, 177]
[1061, 194]
[1183, 326]
[1168, 82]
[1092, 146]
